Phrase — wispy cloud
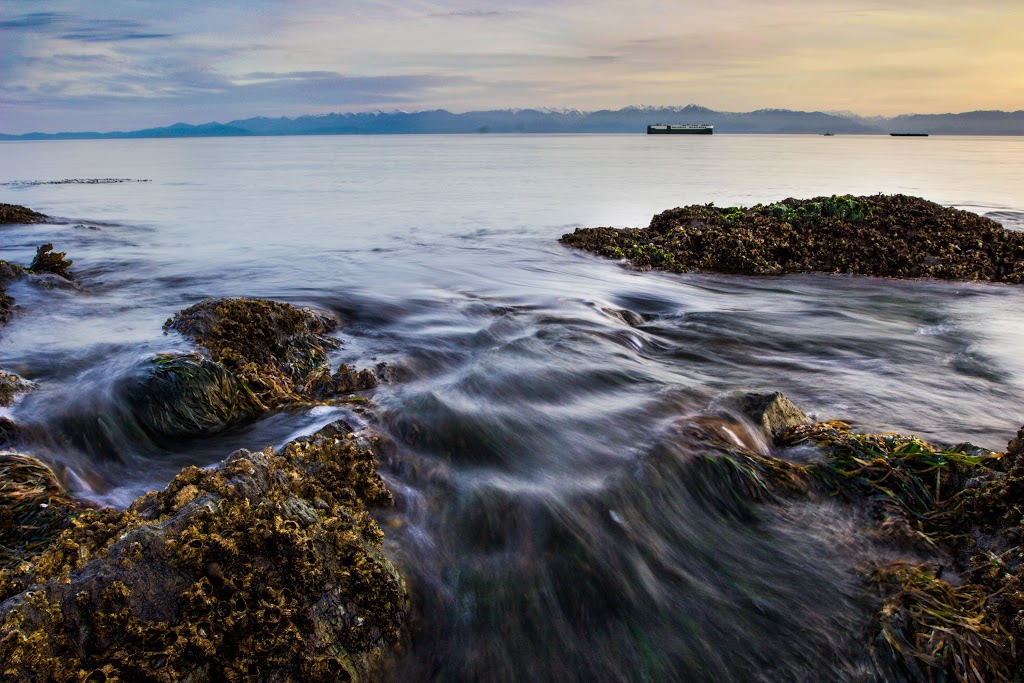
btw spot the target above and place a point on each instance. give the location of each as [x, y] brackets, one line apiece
[128, 63]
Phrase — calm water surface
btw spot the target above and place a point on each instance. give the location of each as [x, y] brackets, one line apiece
[545, 520]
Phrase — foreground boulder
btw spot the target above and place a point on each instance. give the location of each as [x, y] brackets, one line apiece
[265, 568]
[881, 235]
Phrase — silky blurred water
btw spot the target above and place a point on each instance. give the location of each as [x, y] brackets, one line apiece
[544, 517]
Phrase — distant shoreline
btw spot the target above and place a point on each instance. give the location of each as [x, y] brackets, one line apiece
[627, 120]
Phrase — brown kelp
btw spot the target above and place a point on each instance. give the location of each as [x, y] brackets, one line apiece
[264, 568]
[931, 630]
[881, 235]
[49, 261]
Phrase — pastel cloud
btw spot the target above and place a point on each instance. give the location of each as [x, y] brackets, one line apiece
[71, 64]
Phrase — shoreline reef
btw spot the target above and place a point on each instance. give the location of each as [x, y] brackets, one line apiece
[264, 567]
[269, 567]
[882, 235]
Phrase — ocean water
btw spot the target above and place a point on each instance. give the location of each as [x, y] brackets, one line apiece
[543, 518]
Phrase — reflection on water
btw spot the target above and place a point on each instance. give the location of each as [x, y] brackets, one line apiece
[548, 516]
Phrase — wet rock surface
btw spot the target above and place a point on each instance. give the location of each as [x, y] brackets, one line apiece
[957, 618]
[13, 213]
[259, 355]
[266, 567]
[880, 235]
[278, 351]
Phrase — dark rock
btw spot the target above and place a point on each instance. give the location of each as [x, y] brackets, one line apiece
[12, 213]
[881, 235]
[265, 568]
[49, 261]
[773, 412]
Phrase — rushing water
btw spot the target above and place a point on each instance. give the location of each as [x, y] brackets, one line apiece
[542, 396]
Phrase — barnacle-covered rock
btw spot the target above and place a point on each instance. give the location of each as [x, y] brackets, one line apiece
[13, 213]
[881, 235]
[279, 351]
[260, 355]
[265, 568]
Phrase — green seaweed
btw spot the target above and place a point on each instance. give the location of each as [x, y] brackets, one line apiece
[33, 508]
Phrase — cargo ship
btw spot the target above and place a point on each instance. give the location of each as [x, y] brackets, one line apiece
[909, 135]
[682, 129]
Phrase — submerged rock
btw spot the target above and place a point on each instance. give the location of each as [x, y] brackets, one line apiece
[265, 568]
[881, 235]
[13, 213]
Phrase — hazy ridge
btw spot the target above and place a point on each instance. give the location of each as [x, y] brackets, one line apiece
[632, 119]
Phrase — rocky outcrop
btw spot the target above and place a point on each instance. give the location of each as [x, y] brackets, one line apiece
[259, 355]
[13, 213]
[265, 568]
[881, 235]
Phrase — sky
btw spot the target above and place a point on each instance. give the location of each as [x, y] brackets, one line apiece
[76, 65]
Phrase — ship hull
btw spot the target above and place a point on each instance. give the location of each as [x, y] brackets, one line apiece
[680, 130]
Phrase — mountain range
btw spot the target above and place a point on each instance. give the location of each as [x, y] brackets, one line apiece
[632, 119]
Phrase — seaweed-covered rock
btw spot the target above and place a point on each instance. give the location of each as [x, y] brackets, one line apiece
[948, 502]
[881, 235]
[33, 508]
[265, 568]
[47, 260]
[10, 386]
[277, 350]
[187, 395]
[6, 305]
[13, 213]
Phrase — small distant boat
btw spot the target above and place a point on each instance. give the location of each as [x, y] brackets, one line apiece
[828, 135]
[680, 129]
[909, 135]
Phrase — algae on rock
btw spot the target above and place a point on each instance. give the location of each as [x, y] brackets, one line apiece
[262, 355]
[14, 213]
[265, 568]
[956, 502]
[34, 508]
[881, 235]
